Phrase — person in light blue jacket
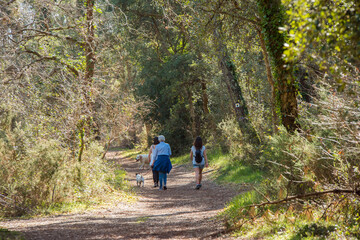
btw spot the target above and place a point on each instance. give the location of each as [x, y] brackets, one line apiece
[198, 166]
[162, 163]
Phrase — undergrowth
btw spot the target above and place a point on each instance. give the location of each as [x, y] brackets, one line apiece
[292, 220]
[295, 165]
[43, 180]
[10, 235]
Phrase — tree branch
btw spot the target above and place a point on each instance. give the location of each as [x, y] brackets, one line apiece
[54, 58]
[43, 33]
[146, 14]
[217, 10]
[315, 194]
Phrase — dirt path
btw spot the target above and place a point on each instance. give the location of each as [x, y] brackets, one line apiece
[177, 213]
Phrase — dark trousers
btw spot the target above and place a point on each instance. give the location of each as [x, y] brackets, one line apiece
[155, 176]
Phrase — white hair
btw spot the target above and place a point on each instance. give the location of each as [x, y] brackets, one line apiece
[161, 138]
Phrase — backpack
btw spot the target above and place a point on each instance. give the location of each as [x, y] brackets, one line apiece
[198, 156]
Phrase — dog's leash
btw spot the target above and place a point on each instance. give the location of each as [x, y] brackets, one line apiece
[147, 172]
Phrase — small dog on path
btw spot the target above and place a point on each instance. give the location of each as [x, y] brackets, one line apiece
[143, 158]
[139, 180]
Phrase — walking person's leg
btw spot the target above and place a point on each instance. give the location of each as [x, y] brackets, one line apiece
[197, 175]
[157, 178]
[161, 179]
[200, 175]
[165, 179]
[153, 172]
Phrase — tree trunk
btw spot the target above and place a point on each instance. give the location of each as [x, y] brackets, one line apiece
[241, 111]
[230, 77]
[90, 68]
[204, 96]
[192, 113]
[270, 80]
[209, 119]
[86, 124]
[89, 43]
[81, 150]
[272, 18]
[236, 96]
[149, 139]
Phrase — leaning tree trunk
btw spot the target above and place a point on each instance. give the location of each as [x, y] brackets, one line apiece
[235, 92]
[272, 17]
[239, 104]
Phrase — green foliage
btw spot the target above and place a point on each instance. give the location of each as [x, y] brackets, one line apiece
[289, 155]
[324, 32]
[231, 137]
[313, 230]
[119, 181]
[235, 166]
[272, 14]
[273, 17]
[171, 85]
[10, 235]
[176, 130]
[181, 159]
[308, 161]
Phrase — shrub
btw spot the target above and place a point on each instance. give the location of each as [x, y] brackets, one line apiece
[38, 172]
[231, 137]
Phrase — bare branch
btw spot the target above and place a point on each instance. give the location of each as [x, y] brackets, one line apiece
[54, 58]
[44, 33]
[301, 196]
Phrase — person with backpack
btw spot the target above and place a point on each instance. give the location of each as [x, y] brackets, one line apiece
[199, 160]
[151, 157]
